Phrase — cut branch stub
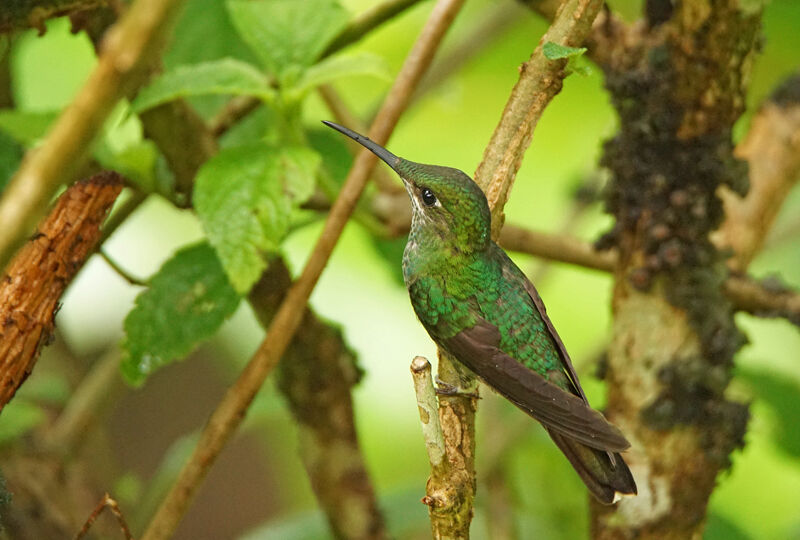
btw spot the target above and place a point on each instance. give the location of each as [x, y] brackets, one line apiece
[42, 270]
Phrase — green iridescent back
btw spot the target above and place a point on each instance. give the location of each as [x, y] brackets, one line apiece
[456, 275]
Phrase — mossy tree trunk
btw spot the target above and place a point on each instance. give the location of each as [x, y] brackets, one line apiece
[678, 87]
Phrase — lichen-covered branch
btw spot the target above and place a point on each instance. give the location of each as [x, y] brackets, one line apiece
[316, 375]
[127, 50]
[678, 90]
[234, 405]
[42, 270]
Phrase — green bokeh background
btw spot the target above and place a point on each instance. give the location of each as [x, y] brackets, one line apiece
[758, 498]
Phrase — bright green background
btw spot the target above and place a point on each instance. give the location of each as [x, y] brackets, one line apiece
[451, 125]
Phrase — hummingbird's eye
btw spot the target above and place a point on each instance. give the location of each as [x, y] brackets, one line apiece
[428, 198]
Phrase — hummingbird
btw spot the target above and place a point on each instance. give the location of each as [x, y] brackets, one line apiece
[480, 308]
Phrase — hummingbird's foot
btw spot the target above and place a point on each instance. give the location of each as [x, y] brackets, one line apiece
[451, 390]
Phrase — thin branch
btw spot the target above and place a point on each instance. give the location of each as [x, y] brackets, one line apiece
[86, 403]
[368, 21]
[129, 47]
[343, 115]
[316, 376]
[41, 271]
[772, 150]
[124, 274]
[106, 502]
[540, 80]
[231, 410]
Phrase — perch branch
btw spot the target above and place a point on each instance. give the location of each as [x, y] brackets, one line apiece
[231, 410]
[129, 47]
[429, 416]
[42, 270]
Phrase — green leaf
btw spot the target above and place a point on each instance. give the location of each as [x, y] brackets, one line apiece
[192, 43]
[226, 76]
[287, 33]
[187, 301]
[26, 127]
[554, 51]
[136, 162]
[781, 394]
[19, 417]
[345, 65]
[244, 196]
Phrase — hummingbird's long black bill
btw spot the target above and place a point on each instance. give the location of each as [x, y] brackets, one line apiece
[391, 160]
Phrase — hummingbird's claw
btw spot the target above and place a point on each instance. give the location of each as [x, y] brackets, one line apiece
[451, 390]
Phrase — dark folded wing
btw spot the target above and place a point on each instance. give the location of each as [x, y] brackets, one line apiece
[478, 348]
[513, 273]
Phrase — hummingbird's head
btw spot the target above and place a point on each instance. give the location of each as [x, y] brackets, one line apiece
[445, 201]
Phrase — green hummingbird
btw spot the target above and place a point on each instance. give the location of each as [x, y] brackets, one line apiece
[479, 307]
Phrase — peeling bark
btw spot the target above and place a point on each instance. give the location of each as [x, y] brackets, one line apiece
[42, 270]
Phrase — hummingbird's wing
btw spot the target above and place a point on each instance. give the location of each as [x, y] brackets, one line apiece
[565, 412]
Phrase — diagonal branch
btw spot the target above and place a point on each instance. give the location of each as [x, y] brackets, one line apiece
[128, 49]
[234, 405]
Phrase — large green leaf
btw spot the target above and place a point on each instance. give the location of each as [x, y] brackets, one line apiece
[343, 65]
[226, 76]
[185, 303]
[244, 196]
[287, 34]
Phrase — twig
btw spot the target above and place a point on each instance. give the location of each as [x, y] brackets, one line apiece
[106, 502]
[343, 115]
[124, 274]
[368, 21]
[228, 415]
[41, 271]
[429, 413]
[86, 403]
[128, 49]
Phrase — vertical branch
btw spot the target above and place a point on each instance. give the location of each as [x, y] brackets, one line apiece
[231, 410]
[540, 80]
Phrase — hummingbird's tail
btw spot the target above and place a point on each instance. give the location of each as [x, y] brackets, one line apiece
[604, 473]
